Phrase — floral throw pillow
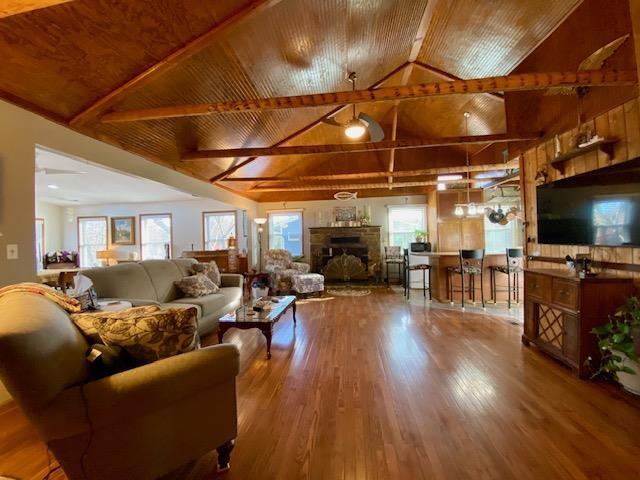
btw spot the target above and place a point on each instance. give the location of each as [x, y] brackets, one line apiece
[84, 321]
[210, 269]
[196, 285]
[151, 337]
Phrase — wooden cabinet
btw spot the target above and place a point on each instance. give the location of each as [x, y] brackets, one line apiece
[561, 310]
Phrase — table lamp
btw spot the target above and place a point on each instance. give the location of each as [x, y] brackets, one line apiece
[105, 257]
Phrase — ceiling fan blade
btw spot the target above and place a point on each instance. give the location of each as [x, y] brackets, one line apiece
[332, 121]
[55, 171]
[376, 133]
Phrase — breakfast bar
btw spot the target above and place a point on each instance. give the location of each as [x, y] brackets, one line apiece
[440, 261]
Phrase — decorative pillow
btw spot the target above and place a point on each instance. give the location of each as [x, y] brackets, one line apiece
[210, 269]
[151, 337]
[197, 285]
[84, 321]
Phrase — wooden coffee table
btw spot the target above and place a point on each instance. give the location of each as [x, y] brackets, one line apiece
[263, 321]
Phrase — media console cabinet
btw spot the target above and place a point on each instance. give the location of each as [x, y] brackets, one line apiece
[560, 310]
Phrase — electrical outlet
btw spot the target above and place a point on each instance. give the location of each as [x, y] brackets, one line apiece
[12, 251]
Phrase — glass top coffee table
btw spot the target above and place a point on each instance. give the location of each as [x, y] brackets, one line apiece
[245, 318]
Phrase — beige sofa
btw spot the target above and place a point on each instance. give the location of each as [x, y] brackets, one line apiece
[152, 281]
[138, 424]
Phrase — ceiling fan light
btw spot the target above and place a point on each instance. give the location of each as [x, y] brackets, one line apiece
[458, 212]
[354, 130]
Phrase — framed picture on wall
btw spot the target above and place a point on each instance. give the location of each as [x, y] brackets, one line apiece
[345, 214]
[123, 230]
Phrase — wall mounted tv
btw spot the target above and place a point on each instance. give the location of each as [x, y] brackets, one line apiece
[601, 207]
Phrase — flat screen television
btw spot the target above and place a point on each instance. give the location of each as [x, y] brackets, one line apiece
[601, 207]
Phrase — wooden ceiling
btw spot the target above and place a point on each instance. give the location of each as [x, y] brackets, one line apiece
[77, 60]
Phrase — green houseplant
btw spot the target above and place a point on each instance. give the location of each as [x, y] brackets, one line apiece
[421, 235]
[619, 344]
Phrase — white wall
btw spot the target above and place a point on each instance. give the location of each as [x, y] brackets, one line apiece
[186, 217]
[53, 226]
[319, 212]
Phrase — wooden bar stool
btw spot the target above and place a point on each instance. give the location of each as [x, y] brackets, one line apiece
[393, 256]
[512, 267]
[471, 264]
[408, 268]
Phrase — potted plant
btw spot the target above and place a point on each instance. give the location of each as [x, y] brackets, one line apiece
[619, 344]
[421, 235]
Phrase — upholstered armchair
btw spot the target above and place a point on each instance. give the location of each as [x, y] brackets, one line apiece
[280, 265]
[138, 424]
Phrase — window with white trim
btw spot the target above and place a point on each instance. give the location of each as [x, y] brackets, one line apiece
[155, 236]
[218, 227]
[40, 243]
[497, 238]
[92, 236]
[404, 222]
[285, 231]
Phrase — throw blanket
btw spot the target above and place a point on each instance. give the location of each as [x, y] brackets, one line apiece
[69, 304]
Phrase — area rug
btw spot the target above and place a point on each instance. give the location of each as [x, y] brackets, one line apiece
[348, 291]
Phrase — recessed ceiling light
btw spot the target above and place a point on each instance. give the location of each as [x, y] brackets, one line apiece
[53, 187]
[444, 178]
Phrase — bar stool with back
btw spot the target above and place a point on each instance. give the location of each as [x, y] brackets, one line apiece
[513, 266]
[471, 263]
[393, 256]
[408, 268]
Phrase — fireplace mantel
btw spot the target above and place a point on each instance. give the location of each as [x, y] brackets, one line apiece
[368, 236]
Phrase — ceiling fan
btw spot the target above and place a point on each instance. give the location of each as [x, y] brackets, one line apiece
[358, 125]
[595, 61]
[56, 171]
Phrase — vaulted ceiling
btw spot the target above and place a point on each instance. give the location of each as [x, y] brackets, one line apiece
[76, 60]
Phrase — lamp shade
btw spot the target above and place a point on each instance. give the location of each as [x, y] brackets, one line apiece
[105, 254]
[260, 220]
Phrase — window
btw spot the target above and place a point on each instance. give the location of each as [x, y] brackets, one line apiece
[155, 236]
[218, 227]
[285, 231]
[92, 236]
[497, 238]
[403, 222]
[612, 219]
[40, 243]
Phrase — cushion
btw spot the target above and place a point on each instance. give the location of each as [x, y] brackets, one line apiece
[125, 280]
[163, 274]
[210, 269]
[208, 304]
[84, 321]
[197, 285]
[151, 337]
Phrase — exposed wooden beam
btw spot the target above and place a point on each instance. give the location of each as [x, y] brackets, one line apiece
[356, 186]
[396, 174]
[449, 76]
[9, 8]
[501, 181]
[507, 83]
[306, 128]
[634, 7]
[401, 144]
[163, 66]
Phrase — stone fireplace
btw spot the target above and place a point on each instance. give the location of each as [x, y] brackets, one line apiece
[346, 253]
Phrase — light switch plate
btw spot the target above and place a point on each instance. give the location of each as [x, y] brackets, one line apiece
[12, 251]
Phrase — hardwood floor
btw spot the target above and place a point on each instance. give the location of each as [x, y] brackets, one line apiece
[372, 388]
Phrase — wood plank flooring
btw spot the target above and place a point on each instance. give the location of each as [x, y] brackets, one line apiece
[374, 388]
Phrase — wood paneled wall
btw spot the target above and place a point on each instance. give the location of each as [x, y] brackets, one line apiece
[622, 122]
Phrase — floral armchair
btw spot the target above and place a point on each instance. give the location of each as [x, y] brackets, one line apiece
[280, 265]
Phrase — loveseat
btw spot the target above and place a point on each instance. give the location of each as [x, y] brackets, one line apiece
[152, 282]
[138, 424]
